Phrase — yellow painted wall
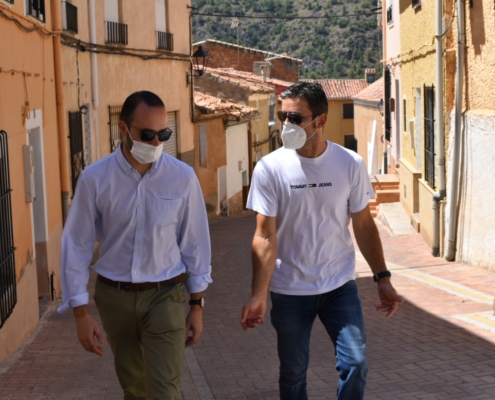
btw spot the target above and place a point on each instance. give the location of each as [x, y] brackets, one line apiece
[259, 126]
[337, 127]
[417, 60]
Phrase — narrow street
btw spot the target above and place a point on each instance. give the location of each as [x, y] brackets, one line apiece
[439, 345]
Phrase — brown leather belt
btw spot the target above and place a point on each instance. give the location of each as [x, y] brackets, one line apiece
[137, 287]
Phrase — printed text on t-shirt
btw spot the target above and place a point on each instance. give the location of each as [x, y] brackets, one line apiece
[311, 185]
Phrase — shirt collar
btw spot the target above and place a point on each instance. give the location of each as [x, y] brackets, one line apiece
[127, 167]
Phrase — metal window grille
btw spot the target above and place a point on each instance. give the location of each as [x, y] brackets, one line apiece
[416, 3]
[348, 111]
[70, 16]
[113, 122]
[429, 102]
[390, 17]
[8, 289]
[388, 90]
[36, 8]
[164, 41]
[115, 32]
[76, 146]
[203, 146]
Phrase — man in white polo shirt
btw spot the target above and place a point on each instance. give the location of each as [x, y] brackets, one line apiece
[305, 195]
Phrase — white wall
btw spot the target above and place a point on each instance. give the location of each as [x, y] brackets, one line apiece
[237, 151]
[476, 221]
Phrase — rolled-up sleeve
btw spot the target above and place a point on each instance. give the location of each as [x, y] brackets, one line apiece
[194, 244]
[78, 241]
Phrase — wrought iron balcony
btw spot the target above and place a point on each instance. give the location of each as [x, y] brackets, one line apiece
[115, 32]
[164, 41]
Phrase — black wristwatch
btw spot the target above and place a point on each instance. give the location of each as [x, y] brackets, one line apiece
[199, 302]
[380, 275]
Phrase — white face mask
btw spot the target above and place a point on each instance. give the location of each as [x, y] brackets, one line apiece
[144, 153]
[294, 136]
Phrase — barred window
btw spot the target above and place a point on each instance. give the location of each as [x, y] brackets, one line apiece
[429, 102]
[8, 289]
[348, 111]
[113, 122]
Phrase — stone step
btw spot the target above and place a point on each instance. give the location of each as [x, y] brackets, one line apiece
[387, 196]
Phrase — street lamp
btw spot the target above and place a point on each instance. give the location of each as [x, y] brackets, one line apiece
[200, 62]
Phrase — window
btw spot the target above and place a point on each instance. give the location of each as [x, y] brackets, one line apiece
[113, 122]
[164, 39]
[416, 3]
[8, 289]
[388, 90]
[9, 1]
[429, 102]
[170, 146]
[348, 111]
[69, 16]
[390, 15]
[203, 148]
[350, 142]
[115, 32]
[36, 8]
[76, 146]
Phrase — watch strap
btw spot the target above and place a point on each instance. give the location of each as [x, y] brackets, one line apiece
[380, 275]
[198, 302]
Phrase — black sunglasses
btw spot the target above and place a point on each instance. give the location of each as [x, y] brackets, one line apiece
[293, 118]
[147, 135]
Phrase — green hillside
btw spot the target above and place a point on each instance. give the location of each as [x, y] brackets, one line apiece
[341, 44]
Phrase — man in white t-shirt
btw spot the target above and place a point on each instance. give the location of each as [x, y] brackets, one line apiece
[305, 196]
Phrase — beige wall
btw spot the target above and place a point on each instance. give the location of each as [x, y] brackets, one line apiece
[337, 127]
[216, 157]
[409, 187]
[364, 115]
[28, 77]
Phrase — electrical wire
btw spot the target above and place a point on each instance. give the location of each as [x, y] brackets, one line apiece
[29, 29]
[284, 18]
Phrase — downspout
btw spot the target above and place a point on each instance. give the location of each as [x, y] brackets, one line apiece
[457, 142]
[61, 115]
[440, 130]
[94, 74]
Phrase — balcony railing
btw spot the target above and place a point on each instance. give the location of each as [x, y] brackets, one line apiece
[115, 32]
[69, 13]
[164, 41]
[36, 8]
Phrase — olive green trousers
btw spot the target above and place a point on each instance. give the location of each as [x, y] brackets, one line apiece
[146, 331]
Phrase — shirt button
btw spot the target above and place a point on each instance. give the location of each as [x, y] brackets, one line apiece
[138, 250]
[140, 206]
[139, 228]
[134, 272]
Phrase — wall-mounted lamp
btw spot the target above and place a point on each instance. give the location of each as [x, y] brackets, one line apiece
[200, 62]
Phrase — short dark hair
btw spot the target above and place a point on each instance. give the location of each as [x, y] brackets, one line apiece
[134, 100]
[312, 92]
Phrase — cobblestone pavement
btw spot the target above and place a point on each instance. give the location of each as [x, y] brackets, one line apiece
[439, 345]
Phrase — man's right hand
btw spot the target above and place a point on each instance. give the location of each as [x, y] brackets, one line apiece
[253, 312]
[87, 330]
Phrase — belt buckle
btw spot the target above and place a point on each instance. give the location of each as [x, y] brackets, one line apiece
[127, 287]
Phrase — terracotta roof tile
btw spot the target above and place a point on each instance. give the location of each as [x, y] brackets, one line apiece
[251, 84]
[265, 53]
[340, 89]
[207, 106]
[373, 93]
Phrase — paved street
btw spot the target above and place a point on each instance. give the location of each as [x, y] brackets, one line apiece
[440, 344]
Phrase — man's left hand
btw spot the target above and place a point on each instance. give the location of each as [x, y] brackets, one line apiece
[194, 324]
[389, 297]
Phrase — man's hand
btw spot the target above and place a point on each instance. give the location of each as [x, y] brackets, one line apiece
[253, 312]
[87, 331]
[194, 324]
[389, 297]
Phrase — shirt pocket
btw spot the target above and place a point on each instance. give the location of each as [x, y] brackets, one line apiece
[166, 212]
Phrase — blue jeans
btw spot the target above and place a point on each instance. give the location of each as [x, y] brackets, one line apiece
[341, 314]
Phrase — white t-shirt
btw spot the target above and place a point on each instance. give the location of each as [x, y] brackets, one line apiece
[312, 199]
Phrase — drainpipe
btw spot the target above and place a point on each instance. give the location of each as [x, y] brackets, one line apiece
[440, 129]
[61, 115]
[457, 140]
[94, 74]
